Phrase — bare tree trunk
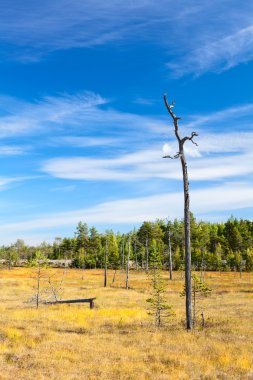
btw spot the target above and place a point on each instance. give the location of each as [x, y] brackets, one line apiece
[147, 254]
[203, 320]
[114, 276]
[194, 304]
[65, 264]
[9, 261]
[83, 270]
[135, 253]
[105, 269]
[38, 288]
[122, 255]
[158, 312]
[127, 267]
[170, 256]
[187, 242]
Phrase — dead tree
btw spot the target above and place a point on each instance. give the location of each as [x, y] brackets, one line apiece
[135, 254]
[169, 253]
[105, 267]
[180, 154]
[147, 254]
[114, 275]
[122, 254]
[38, 286]
[128, 263]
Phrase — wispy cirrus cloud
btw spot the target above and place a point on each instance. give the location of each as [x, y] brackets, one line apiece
[39, 28]
[87, 112]
[224, 198]
[147, 165]
[35, 29]
[218, 155]
[228, 119]
[7, 181]
[88, 120]
[19, 117]
[13, 150]
[217, 56]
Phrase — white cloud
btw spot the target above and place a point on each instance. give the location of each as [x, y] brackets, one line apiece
[18, 117]
[217, 56]
[40, 27]
[6, 181]
[82, 112]
[101, 126]
[149, 164]
[239, 142]
[167, 150]
[224, 198]
[12, 150]
[235, 117]
[64, 24]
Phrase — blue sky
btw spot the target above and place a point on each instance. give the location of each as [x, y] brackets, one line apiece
[83, 127]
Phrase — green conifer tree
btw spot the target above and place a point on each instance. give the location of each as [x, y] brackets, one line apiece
[158, 306]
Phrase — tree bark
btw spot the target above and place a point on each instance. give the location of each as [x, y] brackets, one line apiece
[187, 242]
[127, 267]
[38, 287]
[105, 268]
[187, 239]
[194, 303]
[114, 276]
[147, 254]
[135, 254]
[170, 256]
[122, 254]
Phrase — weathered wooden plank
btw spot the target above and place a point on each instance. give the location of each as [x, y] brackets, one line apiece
[82, 300]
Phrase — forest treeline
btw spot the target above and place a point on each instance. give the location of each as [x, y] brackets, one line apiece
[215, 246]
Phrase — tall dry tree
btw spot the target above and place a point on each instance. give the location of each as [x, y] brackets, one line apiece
[169, 253]
[128, 262]
[105, 263]
[180, 154]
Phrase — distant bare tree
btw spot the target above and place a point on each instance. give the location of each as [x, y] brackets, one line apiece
[105, 266]
[55, 287]
[147, 253]
[128, 262]
[169, 253]
[180, 154]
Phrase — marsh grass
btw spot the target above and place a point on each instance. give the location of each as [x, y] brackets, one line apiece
[117, 339]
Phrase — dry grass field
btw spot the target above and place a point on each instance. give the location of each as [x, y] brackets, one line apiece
[117, 339]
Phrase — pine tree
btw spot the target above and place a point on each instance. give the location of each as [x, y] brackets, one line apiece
[158, 306]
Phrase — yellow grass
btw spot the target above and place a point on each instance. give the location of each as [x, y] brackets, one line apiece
[117, 339]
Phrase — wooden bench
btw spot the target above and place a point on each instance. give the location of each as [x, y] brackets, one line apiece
[82, 300]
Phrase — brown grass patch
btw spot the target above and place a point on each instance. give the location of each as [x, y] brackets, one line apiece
[117, 339]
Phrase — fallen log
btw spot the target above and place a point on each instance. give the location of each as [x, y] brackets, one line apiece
[82, 300]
